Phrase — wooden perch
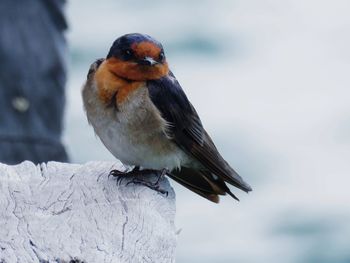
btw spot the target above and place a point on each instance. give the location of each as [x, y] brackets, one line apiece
[75, 213]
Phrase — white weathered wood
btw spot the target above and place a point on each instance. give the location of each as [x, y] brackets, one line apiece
[59, 212]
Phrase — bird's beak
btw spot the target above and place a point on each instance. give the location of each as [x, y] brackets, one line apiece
[148, 61]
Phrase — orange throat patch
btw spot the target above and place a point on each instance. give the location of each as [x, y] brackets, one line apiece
[111, 87]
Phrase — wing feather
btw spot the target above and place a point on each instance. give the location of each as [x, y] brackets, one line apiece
[186, 129]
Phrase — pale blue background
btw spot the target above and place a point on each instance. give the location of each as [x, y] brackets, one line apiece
[270, 80]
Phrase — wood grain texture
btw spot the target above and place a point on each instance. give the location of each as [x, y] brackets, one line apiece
[61, 212]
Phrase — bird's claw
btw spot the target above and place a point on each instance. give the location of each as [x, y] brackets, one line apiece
[121, 174]
[136, 172]
[116, 173]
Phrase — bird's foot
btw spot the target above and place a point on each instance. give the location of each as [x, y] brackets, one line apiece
[122, 174]
[154, 186]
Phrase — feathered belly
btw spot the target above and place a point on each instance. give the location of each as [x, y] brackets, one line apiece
[135, 133]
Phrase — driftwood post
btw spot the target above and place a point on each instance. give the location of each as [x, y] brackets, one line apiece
[75, 213]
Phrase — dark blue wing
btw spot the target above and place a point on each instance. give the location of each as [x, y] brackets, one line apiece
[187, 131]
[168, 96]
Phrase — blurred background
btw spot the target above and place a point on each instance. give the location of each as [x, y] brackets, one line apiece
[270, 80]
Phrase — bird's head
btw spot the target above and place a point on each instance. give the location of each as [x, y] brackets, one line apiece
[137, 57]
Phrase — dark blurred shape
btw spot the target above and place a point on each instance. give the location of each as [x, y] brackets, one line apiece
[32, 80]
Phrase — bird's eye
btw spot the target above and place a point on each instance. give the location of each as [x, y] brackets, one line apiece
[161, 56]
[128, 54]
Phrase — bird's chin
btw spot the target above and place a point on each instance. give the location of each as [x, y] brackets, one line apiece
[153, 72]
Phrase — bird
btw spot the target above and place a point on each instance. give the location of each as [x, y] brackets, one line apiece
[143, 117]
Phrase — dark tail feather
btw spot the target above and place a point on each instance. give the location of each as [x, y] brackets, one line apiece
[220, 183]
[202, 183]
[195, 182]
[211, 197]
[232, 195]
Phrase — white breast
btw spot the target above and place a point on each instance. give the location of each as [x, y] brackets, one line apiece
[133, 133]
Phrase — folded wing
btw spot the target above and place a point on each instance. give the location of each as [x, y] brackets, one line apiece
[186, 130]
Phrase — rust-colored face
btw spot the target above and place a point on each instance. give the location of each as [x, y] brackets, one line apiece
[147, 49]
[134, 71]
[137, 57]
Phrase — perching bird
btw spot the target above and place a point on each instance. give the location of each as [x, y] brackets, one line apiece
[143, 117]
